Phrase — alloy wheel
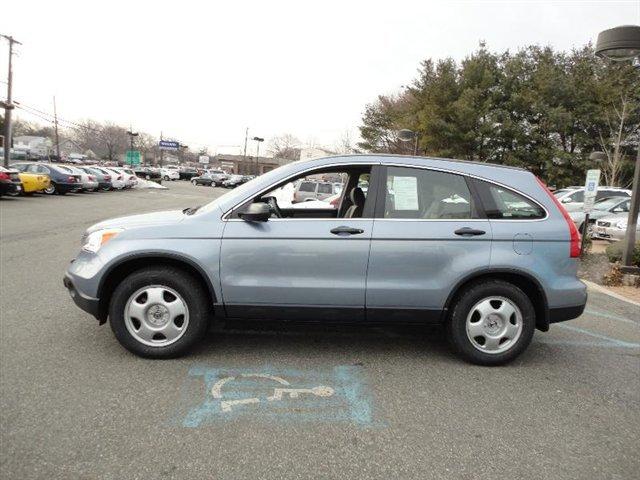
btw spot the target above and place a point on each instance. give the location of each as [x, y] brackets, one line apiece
[156, 315]
[494, 325]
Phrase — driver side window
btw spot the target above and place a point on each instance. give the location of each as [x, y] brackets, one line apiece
[324, 193]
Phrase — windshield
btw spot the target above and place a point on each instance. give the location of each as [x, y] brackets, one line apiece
[608, 204]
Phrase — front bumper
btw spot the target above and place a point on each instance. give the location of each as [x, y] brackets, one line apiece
[88, 304]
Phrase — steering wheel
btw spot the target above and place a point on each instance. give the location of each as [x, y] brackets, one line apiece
[275, 209]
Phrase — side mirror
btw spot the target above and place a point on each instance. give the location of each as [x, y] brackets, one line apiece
[566, 200]
[256, 212]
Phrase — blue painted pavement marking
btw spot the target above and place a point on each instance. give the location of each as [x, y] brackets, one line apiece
[281, 394]
[611, 317]
[614, 341]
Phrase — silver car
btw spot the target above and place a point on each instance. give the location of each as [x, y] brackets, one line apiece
[484, 249]
[606, 207]
[614, 228]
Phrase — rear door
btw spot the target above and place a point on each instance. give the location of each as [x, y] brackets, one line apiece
[427, 236]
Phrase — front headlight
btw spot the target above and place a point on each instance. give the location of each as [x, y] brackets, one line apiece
[95, 240]
[621, 225]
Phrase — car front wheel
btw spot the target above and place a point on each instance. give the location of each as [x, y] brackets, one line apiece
[194, 183]
[492, 322]
[159, 312]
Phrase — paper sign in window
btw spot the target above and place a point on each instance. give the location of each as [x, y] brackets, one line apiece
[405, 191]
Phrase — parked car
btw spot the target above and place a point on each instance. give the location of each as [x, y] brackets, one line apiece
[62, 180]
[308, 190]
[10, 183]
[103, 178]
[148, 173]
[614, 228]
[89, 181]
[169, 174]
[128, 175]
[573, 198]
[118, 181]
[187, 173]
[204, 179]
[492, 265]
[233, 181]
[32, 182]
[603, 208]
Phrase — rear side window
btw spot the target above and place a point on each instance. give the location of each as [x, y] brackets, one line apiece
[307, 187]
[577, 196]
[325, 188]
[415, 193]
[502, 203]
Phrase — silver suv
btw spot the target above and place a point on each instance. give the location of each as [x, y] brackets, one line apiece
[484, 249]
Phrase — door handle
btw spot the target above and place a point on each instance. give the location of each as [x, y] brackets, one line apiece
[469, 232]
[343, 230]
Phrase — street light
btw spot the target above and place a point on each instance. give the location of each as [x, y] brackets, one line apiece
[621, 44]
[258, 141]
[132, 134]
[406, 135]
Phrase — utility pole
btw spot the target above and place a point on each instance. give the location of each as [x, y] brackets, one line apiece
[55, 121]
[161, 151]
[8, 105]
[632, 220]
[246, 135]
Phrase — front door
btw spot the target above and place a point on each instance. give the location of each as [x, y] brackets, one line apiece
[297, 266]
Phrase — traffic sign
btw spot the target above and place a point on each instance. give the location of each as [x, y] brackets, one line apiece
[591, 189]
[168, 145]
[132, 157]
[204, 159]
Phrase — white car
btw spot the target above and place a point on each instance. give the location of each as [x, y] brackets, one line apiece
[572, 198]
[614, 228]
[169, 174]
[117, 178]
[129, 176]
[89, 182]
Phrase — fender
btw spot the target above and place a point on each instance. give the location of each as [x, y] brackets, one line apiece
[542, 314]
[175, 257]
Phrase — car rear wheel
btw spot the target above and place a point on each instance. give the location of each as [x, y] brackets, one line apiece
[492, 322]
[159, 312]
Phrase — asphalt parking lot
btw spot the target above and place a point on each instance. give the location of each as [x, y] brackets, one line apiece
[74, 404]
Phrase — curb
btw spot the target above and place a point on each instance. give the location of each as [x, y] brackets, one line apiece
[606, 291]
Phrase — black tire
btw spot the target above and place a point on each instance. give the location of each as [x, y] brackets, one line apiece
[194, 183]
[51, 190]
[186, 285]
[467, 299]
[166, 178]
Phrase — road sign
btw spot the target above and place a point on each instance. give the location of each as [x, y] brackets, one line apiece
[591, 189]
[132, 157]
[204, 159]
[168, 145]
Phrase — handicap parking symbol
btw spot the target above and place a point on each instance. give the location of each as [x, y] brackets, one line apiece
[288, 395]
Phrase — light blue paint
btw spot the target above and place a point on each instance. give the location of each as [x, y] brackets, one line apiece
[350, 402]
[611, 317]
[615, 341]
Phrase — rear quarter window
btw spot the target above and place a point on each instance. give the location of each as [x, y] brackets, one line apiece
[505, 204]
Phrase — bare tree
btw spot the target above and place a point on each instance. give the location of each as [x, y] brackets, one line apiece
[344, 144]
[284, 146]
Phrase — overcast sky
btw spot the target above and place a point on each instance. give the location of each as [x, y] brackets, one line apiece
[204, 71]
